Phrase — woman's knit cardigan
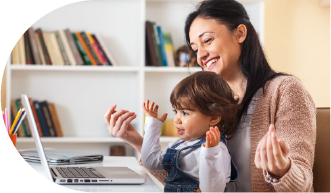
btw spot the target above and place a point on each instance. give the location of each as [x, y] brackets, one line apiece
[288, 105]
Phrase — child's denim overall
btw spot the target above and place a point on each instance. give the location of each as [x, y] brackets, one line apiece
[179, 181]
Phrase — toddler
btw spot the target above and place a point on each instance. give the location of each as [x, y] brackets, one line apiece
[205, 112]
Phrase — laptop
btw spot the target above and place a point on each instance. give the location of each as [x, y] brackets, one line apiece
[78, 175]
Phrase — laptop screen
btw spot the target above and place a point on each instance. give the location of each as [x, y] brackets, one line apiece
[35, 135]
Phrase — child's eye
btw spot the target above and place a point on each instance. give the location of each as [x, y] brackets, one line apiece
[174, 111]
[185, 113]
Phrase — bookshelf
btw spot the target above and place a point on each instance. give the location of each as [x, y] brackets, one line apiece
[82, 94]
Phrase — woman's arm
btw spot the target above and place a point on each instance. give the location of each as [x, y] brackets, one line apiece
[295, 124]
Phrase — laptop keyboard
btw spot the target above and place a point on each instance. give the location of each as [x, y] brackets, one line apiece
[79, 172]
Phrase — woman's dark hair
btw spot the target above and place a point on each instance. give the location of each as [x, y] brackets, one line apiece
[208, 93]
[252, 61]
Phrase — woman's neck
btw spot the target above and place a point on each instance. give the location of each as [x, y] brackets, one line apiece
[238, 84]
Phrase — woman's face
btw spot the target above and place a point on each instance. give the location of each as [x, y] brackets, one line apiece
[217, 50]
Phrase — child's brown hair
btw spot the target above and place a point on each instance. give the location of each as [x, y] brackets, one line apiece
[208, 93]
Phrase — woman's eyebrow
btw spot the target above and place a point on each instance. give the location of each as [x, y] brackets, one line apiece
[201, 36]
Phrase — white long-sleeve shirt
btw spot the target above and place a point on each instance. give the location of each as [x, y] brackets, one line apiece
[211, 166]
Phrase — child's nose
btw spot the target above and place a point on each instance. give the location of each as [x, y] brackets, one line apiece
[177, 120]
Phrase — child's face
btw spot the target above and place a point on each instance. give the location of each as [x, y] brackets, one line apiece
[191, 125]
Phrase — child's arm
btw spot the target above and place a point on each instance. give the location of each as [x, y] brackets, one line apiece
[151, 154]
[215, 163]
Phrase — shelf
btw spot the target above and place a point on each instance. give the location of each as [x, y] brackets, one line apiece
[83, 139]
[73, 68]
[171, 69]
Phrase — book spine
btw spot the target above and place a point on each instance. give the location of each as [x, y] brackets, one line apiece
[28, 54]
[48, 118]
[74, 48]
[43, 46]
[84, 47]
[56, 120]
[169, 48]
[34, 47]
[36, 117]
[56, 49]
[67, 48]
[21, 49]
[97, 50]
[100, 48]
[151, 52]
[42, 119]
[106, 51]
[40, 50]
[158, 44]
[90, 48]
[164, 56]
[63, 53]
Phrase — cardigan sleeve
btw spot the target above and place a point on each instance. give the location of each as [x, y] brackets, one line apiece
[295, 123]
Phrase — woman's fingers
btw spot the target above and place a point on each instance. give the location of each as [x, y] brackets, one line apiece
[263, 153]
[113, 121]
[257, 159]
[270, 152]
[108, 114]
[128, 117]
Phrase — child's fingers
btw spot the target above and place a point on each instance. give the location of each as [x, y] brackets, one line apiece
[151, 107]
[207, 140]
[147, 104]
[156, 108]
[213, 137]
[218, 133]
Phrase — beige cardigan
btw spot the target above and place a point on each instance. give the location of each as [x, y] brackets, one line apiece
[288, 105]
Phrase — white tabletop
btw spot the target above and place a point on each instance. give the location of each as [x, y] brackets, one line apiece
[111, 161]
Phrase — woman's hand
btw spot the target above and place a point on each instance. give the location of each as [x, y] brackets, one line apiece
[272, 154]
[213, 137]
[119, 125]
[150, 112]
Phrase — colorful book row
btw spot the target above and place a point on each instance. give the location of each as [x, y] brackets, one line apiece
[159, 47]
[45, 115]
[61, 47]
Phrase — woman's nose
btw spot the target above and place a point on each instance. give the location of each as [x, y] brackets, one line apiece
[202, 55]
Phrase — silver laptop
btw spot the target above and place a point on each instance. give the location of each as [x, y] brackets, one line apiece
[79, 175]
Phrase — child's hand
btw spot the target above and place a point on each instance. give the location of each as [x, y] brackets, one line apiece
[213, 137]
[150, 112]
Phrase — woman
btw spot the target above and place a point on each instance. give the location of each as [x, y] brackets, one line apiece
[274, 144]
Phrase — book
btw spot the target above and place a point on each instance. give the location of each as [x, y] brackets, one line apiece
[34, 47]
[81, 50]
[53, 48]
[67, 48]
[86, 49]
[90, 48]
[42, 119]
[163, 52]
[15, 54]
[48, 118]
[97, 50]
[169, 49]
[25, 124]
[72, 43]
[14, 111]
[101, 50]
[158, 44]
[43, 46]
[36, 117]
[151, 50]
[104, 48]
[40, 49]
[56, 120]
[61, 46]
[21, 49]
[28, 52]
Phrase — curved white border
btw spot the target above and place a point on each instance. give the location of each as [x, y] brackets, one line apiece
[17, 16]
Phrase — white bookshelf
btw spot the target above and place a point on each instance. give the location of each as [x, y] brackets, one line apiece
[82, 94]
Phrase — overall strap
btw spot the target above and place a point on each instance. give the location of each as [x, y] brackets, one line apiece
[177, 144]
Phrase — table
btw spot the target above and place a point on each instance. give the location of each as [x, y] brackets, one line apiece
[111, 161]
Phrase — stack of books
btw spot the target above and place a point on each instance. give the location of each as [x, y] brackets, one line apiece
[45, 115]
[159, 47]
[61, 47]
